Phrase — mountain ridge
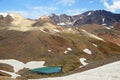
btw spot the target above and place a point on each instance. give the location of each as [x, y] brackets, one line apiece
[101, 17]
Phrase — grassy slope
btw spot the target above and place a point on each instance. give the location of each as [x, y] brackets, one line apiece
[34, 45]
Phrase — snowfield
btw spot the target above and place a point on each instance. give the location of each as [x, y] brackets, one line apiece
[13, 75]
[17, 66]
[106, 72]
[34, 64]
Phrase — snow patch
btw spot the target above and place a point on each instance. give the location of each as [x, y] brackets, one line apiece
[56, 30]
[95, 45]
[65, 52]
[34, 64]
[69, 49]
[13, 75]
[69, 23]
[107, 27]
[87, 51]
[111, 26]
[61, 24]
[49, 50]
[104, 24]
[89, 13]
[81, 18]
[82, 60]
[103, 20]
[17, 65]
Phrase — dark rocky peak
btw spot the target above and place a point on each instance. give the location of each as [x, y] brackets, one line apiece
[63, 19]
[54, 17]
[102, 12]
[5, 20]
[101, 17]
[9, 18]
[1, 17]
[97, 13]
[63, 16]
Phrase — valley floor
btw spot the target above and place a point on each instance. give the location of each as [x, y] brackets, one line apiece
[107, 72]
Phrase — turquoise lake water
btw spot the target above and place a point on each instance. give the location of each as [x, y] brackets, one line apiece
[47, 70]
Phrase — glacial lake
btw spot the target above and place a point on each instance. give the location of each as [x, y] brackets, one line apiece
[47, 70]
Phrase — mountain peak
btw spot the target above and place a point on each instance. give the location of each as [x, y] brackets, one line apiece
[101, 17]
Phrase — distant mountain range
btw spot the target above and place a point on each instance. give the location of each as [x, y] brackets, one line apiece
[101, 17]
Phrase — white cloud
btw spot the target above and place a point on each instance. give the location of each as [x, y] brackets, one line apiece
[29, 14]
[44, 8]
[115, 5]
[75, 11]
[22, 13]
[36, 12]
[66, 2]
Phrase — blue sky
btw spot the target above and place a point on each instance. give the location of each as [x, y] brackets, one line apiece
[37, 8]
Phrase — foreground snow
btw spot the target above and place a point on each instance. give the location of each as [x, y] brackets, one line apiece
[107, 72]
[13, 75]
[17, 66]
[34, 64]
